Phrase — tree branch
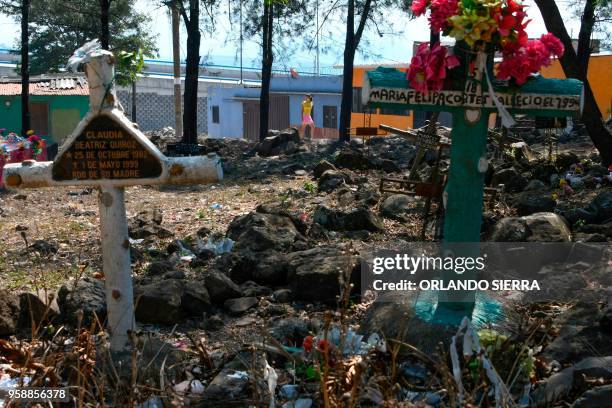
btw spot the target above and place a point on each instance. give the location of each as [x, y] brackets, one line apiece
[183, 12]
[587, 22]
[362, 22]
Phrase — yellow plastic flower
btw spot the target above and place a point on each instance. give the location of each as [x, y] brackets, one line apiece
[30, 132]
[474, 24]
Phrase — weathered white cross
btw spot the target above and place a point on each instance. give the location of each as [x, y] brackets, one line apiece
[108, 151]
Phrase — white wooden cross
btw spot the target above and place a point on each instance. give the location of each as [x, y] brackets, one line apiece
[109, 152]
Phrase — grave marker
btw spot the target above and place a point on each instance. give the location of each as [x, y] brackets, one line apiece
[470, 105]
[107, 151]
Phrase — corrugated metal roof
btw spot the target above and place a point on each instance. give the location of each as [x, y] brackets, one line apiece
[47, 86]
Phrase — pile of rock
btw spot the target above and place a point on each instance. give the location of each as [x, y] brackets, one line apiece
[285, 142]
[162, 137]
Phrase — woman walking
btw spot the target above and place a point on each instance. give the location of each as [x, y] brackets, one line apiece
[307, 122]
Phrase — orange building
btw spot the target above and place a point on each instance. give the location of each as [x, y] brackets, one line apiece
[363, 116]
[600, 79]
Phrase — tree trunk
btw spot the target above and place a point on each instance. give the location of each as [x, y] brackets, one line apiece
[346, 104]
[591, 115]
[266, 69]
[190, 101]
[25, 72]
[434, 38]
[176, 56]
[134, 101]
[104, 16]
[587, 22]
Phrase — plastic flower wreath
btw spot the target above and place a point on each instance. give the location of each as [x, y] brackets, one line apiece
[493, 25]
[428, 67]
[5, 155]
[36, 143]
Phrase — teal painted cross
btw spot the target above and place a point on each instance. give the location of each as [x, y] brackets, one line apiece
[470, 104]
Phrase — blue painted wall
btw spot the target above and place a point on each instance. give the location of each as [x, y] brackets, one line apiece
[326, 90]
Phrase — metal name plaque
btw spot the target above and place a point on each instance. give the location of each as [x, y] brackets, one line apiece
[105, 150]
[427, 140]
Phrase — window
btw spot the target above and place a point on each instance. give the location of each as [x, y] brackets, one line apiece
[358, 106]
[330, 116]
[215, 114]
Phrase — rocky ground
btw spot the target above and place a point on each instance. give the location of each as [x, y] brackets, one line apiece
[245, 285]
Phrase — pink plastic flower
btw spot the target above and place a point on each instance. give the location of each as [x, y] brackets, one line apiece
[428, 68]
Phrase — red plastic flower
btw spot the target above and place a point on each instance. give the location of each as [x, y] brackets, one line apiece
[441, 10]
[520, 61]
[553, 44]
[323, 346]
[428, 68]
[308, 343]
[418, 7]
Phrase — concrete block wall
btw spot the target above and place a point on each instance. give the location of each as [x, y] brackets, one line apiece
[155, 111]
[155, 103]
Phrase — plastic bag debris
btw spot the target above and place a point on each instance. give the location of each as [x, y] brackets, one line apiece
[471, 345]
[80, 56]
[189, 387]
[239, 375]
[289, 391]
[352, 342]
[300, 403]
[218, 245]
[154, 402]
[7, 383]
[271, 377]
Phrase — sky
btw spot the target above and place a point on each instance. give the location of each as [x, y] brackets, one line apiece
[389, 49]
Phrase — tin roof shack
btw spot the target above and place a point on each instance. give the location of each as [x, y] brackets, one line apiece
[57, 104]
[234, 112]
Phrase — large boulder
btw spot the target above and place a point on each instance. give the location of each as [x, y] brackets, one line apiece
[240, 305]
[396, 206]
[356, 219]
[220, 287]
[532, 202]
[598, 211]
[259, 232]
[285, 142]
[543, 172]
[41, 306]
[195, 298]
[88, 295]
[321, 167]
[9, 312]
[535, 185]
[147, 224]
[261, 239]
[332, 179]
[512, 180]
[566, 159]
[353, 160]
[159, 302]
[560, 384]
[320, 274]
[595, 397]
[538, 227]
